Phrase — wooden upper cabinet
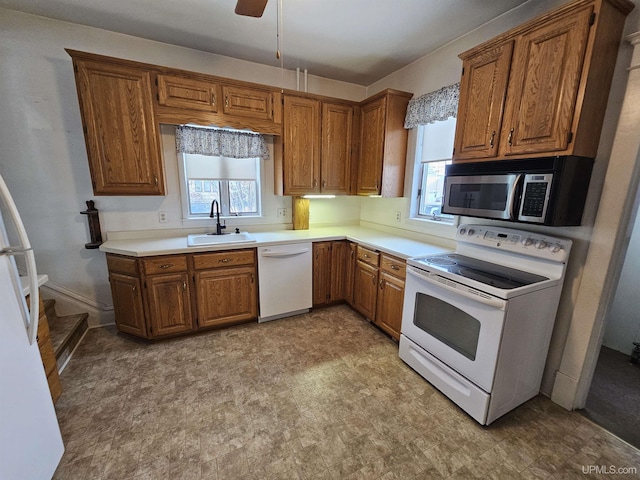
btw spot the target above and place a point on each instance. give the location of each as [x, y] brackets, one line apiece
[383, 144]
[116, 105]
[248, 102]
[546, 72]
[335, 163]
[317, 145]
[541, 89]
[301, 157]
[184, 92]
[483, 90]
[371, 147]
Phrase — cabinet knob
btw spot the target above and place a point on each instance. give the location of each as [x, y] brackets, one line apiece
[510, 139]
[395, 267]
[224, 260]
[166, 265]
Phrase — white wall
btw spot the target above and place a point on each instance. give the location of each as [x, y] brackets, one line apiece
[623, 318]
[43, 157]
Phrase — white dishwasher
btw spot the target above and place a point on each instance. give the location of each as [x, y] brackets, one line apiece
[285, 280]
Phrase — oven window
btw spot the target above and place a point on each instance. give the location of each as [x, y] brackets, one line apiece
[449, 324]
[483, 196]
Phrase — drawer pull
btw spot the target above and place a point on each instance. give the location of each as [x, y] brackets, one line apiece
[366, 256]
[224, 260]
[226, 101]
[374, 280]
[213, 99]
[381, 284]
[395, 267]
[184, 286]
[166, 265]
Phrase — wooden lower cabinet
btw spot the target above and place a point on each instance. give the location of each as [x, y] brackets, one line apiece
[127, 304]
[226, 296]
[389, 305]
[163, 296]
[365, 289]
[331, 280]
[169, 304]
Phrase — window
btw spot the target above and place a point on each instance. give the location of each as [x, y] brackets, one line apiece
[233, 182]
[434, 149]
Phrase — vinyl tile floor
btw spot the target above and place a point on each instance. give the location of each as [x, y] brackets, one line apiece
[317, 396]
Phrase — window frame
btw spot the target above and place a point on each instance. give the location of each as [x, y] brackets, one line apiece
[442, 217]
[188, 216]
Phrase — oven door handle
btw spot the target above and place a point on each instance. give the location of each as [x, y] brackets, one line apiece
[458, 288]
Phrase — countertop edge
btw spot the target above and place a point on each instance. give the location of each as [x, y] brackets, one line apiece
[396, 245]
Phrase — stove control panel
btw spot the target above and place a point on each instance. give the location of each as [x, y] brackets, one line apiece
[517, 241]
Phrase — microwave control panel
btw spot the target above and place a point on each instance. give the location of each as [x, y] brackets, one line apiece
[535, 197]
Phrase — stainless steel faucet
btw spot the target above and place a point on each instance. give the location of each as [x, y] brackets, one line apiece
[219, 227]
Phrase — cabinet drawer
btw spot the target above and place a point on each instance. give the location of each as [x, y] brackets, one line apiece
[368, 256]
[125, 265]
[393, 266]
[224, 259]
[169, 264]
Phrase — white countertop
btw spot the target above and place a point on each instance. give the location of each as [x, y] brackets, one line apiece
[26, 289]
[392, 244]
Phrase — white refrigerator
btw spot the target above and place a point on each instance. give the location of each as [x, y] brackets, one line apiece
[30, 442]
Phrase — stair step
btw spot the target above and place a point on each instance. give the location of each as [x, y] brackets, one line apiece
[65, 331]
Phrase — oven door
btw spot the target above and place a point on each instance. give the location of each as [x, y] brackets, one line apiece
[460, 326]
[485, 196]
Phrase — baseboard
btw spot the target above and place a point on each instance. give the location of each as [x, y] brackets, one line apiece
[69, 302]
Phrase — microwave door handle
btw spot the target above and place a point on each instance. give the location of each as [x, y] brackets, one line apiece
[513, 205]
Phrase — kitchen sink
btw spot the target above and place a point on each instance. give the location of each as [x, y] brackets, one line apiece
[200, 239]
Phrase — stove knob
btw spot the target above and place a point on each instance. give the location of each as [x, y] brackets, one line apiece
[471, 231]
[556, 248]
[463, 231]
[540, 244]
[527, 241]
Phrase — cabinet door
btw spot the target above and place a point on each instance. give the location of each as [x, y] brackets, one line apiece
[247, 102]
[169, 304]
[390, 302]
[372, 127]
[301, 157]
[365, 289]
[483, 89]
[189, 93]
[127, 304]
[337, 122]
[350, 271]
[226, 296]
[338, 281]
[120, 133]
[546, 71]
[321, 273]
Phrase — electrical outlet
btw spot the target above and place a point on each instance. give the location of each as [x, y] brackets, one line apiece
[282, 213]
[398, 216]
[162, 217]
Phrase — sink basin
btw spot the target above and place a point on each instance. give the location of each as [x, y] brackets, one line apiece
[200, 239]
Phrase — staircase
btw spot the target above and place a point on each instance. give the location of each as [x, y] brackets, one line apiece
[65, 331]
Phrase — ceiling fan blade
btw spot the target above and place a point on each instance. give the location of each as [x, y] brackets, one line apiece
[251, 8]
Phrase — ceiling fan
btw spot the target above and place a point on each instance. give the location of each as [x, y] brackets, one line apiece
[251, 8]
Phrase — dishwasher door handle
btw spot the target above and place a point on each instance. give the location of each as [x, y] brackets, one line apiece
[285, 253]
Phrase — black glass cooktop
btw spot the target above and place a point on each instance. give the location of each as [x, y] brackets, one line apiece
[485, 272]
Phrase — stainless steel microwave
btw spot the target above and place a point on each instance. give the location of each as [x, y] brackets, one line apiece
[547, 191]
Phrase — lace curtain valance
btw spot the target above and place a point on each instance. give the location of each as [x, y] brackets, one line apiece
[220, 143]
[434, 106]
